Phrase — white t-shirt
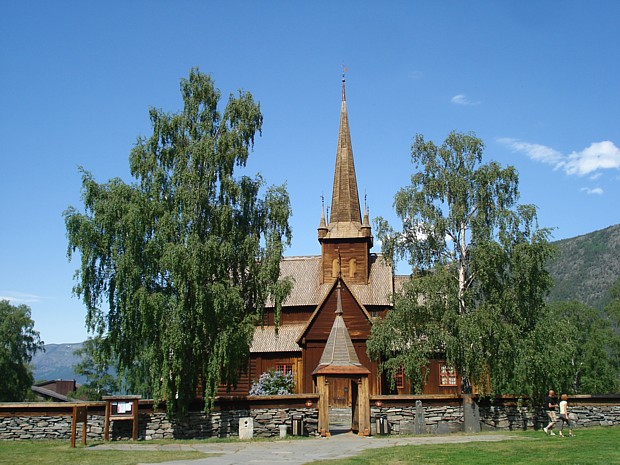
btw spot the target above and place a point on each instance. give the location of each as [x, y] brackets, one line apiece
[564, 408]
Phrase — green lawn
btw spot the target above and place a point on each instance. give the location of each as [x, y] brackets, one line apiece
[589, 446]
[60, 453]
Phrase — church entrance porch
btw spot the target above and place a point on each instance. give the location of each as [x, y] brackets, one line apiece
[340, 393]
[355, 418]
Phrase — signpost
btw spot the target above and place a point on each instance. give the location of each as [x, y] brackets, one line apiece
[121, 408]
[80, 414]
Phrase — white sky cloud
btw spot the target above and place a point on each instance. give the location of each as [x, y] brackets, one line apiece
[598, 156]
[462, 99]
[18, 298]
[595, 191]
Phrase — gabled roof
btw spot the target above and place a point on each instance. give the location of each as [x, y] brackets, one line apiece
[306, 272]
[48, 393]
[334, 285]
[266, 340]
[339, 356]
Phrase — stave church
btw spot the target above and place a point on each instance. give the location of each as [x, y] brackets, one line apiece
[336, 296]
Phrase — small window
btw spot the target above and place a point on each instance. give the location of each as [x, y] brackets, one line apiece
[399, 378]
[447, 375]
[284, 368]
[335, 268]
[352, 267]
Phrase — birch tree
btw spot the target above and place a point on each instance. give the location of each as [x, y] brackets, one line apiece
[478, 267]
[176, 267]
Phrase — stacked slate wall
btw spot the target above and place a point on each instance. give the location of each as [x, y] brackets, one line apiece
[53, 421]
[389, 415]
[432, 415]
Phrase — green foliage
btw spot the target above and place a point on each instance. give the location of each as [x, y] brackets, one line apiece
[273, 383]
[20, 342]
[94, 364]
[478, 257]
[176, 268]
[594, 346]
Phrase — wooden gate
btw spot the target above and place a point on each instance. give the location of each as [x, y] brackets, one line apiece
[340, 392]
[360, 410]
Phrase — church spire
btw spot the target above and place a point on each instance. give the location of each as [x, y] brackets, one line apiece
[345, 199]
[342, 228]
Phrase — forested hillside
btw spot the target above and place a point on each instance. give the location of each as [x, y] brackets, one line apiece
[56, 363]
[586, 267]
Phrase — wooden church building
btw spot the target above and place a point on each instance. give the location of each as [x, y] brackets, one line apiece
[336, 296]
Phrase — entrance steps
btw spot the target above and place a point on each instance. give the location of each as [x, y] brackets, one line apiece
[339, 420]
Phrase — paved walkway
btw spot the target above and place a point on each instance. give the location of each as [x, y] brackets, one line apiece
[297, 452]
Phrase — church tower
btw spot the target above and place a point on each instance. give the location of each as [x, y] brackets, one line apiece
[345, 240]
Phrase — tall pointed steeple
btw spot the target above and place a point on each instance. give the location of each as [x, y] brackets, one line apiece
[345, 198]
[345, 241]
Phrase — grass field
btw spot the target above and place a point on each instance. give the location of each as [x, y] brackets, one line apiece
[589, 446]
[60, 453]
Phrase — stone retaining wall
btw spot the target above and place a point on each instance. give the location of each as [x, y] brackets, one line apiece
[505, 413]
[523, 418]
[156, 425]
[402, 414]
[409, 420]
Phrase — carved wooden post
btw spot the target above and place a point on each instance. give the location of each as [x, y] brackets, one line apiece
[323, 389]
[363, 402]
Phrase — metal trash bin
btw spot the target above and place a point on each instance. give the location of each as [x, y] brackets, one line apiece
[382, 425]
[298, 425]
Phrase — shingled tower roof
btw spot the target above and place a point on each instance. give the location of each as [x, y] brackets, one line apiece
[339, 356]
[345, 219]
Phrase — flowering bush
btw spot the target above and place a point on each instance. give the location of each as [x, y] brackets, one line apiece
[273, 383]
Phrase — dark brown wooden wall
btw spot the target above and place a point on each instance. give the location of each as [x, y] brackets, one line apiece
[260, 363]
[349, 249]
[355, 319]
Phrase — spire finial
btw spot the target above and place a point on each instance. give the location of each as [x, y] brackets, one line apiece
[344, 71]
[322, 225]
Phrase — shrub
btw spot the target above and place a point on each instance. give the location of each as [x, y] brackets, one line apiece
[273, 383]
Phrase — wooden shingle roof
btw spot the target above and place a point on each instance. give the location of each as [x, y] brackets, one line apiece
[305, 273]
[266, 340]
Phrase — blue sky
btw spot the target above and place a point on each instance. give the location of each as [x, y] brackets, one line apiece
[537, 81]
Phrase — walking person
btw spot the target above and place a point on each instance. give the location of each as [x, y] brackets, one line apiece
[551, 403]
[564, 418]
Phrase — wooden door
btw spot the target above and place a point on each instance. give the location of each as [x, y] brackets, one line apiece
[339, 392]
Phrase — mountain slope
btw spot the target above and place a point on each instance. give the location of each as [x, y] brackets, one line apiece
[56, 362]
[586, 267]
